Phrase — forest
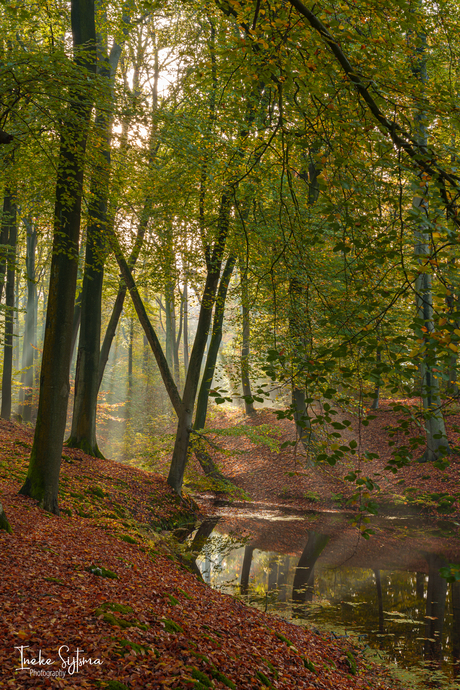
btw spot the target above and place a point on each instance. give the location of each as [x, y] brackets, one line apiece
[220, 205]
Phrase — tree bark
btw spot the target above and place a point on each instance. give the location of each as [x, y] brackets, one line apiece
[208, 465]
[4, 524]
[214, 263]
[10, 211]
[245, 381]
[30, 336]
[42, 481]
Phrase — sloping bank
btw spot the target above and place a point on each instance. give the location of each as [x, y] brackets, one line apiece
[97, 599]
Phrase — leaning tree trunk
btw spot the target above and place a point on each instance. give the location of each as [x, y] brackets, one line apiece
[42, 481]
[141, 230]
[11, 220]
[181, 447]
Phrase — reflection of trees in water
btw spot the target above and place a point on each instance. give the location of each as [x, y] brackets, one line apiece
[379, 596]
[435, 609]
[302, 588]
[378, 584]
[246, 569]
[455, 591]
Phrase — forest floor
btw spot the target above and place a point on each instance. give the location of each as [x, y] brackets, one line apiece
[104, 597]
[268, 474]
[107, 578]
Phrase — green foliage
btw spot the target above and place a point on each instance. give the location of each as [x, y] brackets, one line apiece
[451, 573]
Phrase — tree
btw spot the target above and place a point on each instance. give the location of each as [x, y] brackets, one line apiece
[83, 433]
[9, 237]
[42, 479]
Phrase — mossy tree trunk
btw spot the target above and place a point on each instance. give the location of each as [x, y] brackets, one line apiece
[4, 524]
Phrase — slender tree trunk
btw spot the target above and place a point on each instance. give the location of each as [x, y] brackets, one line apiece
[186, 354]
[181, 447]
[11, 219]
[42, 481]
[4, 235]
[436, 436]
[170, 318]
[129, 395]
[214, 345]
[83, 433]
[208, 465]
[29, 343]
[245, 381]
[376, 396]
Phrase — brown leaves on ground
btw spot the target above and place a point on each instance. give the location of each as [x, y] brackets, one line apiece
[138, 619]
[281, 478]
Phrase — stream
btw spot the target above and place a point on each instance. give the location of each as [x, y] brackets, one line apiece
[314, 569]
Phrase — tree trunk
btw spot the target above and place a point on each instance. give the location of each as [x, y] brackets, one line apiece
[29, 343]
[214, 345]
[170, 318]
[120, 298]
[207, 463]
[4, 524]
[8, 209]
[245, 381]
[186, 355]
[214, 263]
[42, 480]
[83, 433]
[10, 217]
[436, 436]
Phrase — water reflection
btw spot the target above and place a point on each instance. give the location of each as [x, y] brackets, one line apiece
[388, 591]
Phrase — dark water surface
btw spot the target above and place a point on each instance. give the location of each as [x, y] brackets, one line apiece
[315, 569]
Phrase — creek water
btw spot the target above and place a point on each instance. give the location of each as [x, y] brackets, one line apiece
[314, 569]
